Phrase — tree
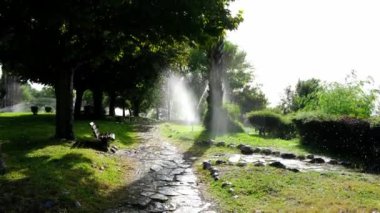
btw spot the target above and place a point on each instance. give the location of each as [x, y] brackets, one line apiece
[48, 42]
[306, 92]
[350, 99]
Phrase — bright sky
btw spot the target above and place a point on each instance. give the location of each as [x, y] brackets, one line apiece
[300, 39]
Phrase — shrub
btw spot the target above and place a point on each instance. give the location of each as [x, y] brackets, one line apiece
[271, 123]
[48, 109]
[341, 135]
[34, 109]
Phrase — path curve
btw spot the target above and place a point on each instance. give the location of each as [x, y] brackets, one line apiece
[165, 180]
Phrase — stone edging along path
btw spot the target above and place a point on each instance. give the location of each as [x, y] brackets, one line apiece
[259, 156]
[165, 181]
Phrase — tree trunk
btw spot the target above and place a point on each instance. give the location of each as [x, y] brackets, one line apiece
[112, 104]
[78, 102]
[215, 120]
[64, 108]
[136, 109]
[97, 95]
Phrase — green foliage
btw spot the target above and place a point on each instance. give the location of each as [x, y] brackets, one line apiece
[233, 111]
[345, 136]
[349, 99]
[304, 95]
[250, 98]
[272, 123]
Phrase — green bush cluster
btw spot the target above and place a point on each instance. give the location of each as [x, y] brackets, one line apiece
[271, 123]
[351, 137]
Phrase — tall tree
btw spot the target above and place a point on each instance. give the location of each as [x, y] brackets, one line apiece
[48, 42]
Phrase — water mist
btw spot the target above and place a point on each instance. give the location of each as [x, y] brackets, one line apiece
[182, 104]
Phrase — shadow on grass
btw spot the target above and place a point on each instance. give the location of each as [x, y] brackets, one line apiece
[60, 180]
[200, 145]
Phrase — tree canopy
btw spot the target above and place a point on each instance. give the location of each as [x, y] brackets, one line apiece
[47, 41]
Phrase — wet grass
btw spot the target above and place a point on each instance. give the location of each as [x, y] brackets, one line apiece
[185, 136]
[271, 190]
[44, 174]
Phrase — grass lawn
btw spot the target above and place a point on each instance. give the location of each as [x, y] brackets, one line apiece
[271, 190]
[46, 174]
[185, 135]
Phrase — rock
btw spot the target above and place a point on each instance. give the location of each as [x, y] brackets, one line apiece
[206, 164]
[159, 197]
[293, 169]
[266, 151]
[101, 168]
[288, 156]
[345, 163]
[235, 196]
[161, 207]
[256, 150]
[246, 150]
[231, 190]
[77, 204]
[242, 164]
[277, 164]
[310, 156]
[234, 159]
[155, 168]
[143, 201]
[226, 184]
[221, 144]
[259, 164]
[276, 153]
[301, 157]
[218, 162]
[168, 191]
[317, 160]
[231, 146]
[115, 147]
[333, 162]
[213, 170]
[113, 150]
[240, 145]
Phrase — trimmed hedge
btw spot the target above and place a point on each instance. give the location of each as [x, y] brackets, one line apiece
[341, 135]
[271, 123]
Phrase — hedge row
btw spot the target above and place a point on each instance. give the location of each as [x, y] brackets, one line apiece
[344, 136]
[272, 123]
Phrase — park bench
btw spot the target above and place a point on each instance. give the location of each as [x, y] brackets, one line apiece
[103, 138]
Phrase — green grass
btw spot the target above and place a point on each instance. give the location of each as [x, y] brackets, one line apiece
[40, 168]
[185, 136]
[270, 189]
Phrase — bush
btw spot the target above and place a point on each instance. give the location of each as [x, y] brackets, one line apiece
[48, 109]
[340, 135]
[271, 123]
[34, 109]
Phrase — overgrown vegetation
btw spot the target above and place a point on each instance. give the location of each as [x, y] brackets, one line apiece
[51, 175]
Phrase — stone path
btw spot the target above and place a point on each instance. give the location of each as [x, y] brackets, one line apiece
[165, 181]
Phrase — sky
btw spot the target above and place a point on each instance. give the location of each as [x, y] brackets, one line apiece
[300, 39]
